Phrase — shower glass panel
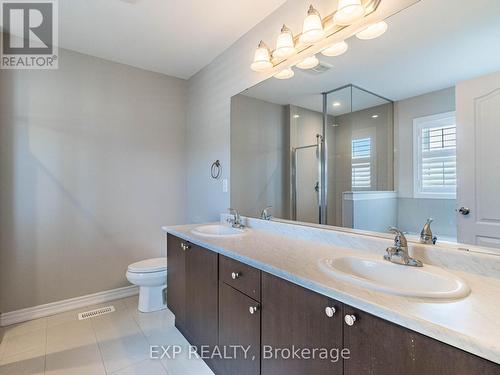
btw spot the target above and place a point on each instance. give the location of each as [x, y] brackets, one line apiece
[305, 184]
[359, 156]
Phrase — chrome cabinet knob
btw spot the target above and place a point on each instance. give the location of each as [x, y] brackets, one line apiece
[350, 319]
[185, 246]
[235, 275]
[464, 211]
[330, 311]
[253, 309]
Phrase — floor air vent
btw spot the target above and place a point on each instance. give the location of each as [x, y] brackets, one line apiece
[96, 312]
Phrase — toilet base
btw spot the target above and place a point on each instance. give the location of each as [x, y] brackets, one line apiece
[152, 298]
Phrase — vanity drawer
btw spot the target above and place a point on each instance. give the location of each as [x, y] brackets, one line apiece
[244, 278]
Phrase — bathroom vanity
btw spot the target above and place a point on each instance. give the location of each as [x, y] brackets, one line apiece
[264, 290]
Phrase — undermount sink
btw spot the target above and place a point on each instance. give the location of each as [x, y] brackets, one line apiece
[217, 230]
[425, 282]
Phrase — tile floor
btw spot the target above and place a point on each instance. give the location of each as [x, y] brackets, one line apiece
[116, 343]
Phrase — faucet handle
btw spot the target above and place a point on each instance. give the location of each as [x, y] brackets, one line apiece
[264, 214]
[400, 239]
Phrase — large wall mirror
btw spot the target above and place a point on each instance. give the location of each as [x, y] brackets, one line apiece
[395, 131]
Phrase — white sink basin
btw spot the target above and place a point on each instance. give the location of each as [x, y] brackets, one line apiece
[425, 282]
[217, 230]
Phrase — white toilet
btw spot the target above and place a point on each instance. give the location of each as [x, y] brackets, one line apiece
[151, 277]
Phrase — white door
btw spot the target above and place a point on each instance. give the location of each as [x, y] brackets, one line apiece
[478, 160]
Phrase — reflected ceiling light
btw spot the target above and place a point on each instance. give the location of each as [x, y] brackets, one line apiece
[262, 58]
[296, 116]
[312, 30]
[336, 104]
[348, 12]
[285, 46]
[373, 31]
[308, 63]
[375, 116]
[285, 74]
[335, 49]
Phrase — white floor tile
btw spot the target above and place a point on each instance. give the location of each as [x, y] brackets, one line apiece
[123, 352]
[25, 342]
[151, 323]
[25, 327]
[115, 325]
[83, 360]
[70, 335]
[31, 366]
[148, 367]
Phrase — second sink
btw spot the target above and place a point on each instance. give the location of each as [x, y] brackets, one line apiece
[217, 230]
[427, 282]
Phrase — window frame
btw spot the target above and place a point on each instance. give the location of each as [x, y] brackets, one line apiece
[419, 123]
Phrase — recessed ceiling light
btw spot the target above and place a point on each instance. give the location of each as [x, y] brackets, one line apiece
[296, 116]
[375, 116]
[336, 104]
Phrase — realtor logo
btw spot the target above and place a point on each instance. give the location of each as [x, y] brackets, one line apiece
[29, 34]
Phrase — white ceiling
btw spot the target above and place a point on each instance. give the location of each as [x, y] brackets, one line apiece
[430, 46]
[174, 37]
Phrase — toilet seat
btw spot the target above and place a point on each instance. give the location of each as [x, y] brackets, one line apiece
[149, 266]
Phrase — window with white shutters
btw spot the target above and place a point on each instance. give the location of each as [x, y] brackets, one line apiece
[361, 160]
[435, 162]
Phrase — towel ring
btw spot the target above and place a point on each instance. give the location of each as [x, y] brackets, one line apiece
[216, 170]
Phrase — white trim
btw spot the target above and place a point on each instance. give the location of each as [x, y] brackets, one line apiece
[418, 123]
[52, 308]
[368, 195]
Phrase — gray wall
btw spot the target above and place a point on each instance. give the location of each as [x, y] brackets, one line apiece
[91, 165]
[259, 156]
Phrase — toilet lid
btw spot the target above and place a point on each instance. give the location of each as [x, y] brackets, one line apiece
[149, 265]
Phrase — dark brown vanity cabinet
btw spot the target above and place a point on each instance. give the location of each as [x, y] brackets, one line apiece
[217, 300]
[192, 295]
[294, 317]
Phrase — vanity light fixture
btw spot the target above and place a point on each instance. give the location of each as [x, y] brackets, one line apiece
[373, 31]
[296, 116]
[285, 74]
[312, 29]
[336, 104]
[285, 46]
[348, 12]
[308, 63]
[336, 49]
[262, 58]
[375, 116]
[312, 39]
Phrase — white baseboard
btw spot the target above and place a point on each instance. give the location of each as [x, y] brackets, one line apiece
[48, 309]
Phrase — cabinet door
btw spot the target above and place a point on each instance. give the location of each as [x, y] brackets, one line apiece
[201, 325]
[239, 327]
[294, 317]
[176, 279]
[377, 347]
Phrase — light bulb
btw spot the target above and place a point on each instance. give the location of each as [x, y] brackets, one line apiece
[262, 58]
[373, 31]
[285, 46]
[312, 30]
[335, 49]
[308, 63]
[285, 74]
[348, 12]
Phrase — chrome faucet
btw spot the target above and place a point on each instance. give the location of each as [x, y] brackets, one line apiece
[426, 234]
[235, 221]
[265, 214]
[399, 252]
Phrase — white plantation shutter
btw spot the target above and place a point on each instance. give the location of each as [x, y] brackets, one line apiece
[361, 163]
[435, 167]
